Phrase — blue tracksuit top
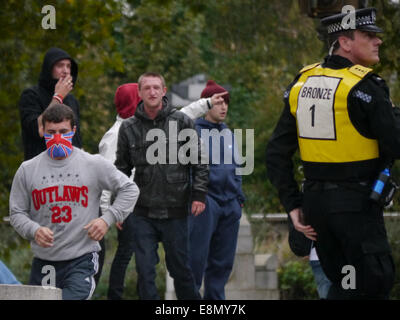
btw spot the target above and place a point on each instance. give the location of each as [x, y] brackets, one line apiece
[224, 184]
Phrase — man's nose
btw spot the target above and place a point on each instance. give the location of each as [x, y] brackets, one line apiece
[66, 70]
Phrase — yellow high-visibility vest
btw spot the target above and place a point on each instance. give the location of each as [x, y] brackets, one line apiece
[318, 101]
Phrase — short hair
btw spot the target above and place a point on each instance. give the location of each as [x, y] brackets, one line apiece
[151, 74]
[57, 113]
[335, 37]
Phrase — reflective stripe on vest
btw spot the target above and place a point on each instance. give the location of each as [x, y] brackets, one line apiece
[318, 101]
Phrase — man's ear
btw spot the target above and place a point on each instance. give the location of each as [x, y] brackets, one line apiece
[164, 91]
[345, 43]
[74, 129]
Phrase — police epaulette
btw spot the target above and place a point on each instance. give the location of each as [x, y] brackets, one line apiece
[309, 67]
[360, 70]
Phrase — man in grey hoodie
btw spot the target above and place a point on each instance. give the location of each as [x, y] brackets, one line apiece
[54, 203]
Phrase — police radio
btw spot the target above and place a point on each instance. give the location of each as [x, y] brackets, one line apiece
[384, 188]
[324, 8]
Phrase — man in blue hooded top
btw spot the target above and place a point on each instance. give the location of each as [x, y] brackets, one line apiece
[213, 234]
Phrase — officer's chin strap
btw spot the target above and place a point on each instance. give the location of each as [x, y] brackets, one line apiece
[331, 48]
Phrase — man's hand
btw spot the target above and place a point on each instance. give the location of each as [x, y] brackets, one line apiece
[44, 237]
[119, 225]
[64, 86]
[197, 207]
[298, 221]
[96, 228]
[217, 98]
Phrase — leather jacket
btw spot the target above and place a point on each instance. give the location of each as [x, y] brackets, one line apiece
[166, 188]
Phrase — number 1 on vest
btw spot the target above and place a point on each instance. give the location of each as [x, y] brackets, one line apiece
[312, 109]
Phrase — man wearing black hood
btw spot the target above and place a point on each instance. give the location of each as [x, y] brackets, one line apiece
[57, 78]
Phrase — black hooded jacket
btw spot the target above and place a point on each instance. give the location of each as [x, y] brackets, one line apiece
[165, 189]
[36, 99]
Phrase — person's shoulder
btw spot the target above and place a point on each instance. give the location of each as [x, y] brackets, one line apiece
[372, 83]
[286, 93]
[180, 116]
[71, 101]
[224, 126]
[377, 80]
[30, 91]
[309, 67]
[113, 131]
[129, 122]
[371, 89]
[33, 88]
[83, 156]
[199, 122]
[306, 68]
[176, 113]
[95, 163]
[29, 165]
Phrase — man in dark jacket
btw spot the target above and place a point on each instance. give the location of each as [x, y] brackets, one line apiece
[166, 187]
[339, 114]
[213, 234]
[57, 79]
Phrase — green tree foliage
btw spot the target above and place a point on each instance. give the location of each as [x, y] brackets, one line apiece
[84, 29]
[296, 281]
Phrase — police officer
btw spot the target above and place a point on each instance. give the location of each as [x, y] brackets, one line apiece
[338, 113]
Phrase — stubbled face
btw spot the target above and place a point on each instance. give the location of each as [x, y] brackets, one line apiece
[61, 69]
[152, 91]
[365, 48]
[218, 112]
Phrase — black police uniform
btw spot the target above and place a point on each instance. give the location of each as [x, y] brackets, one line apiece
[350, 227]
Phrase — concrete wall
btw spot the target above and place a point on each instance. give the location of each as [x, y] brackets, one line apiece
[22, 292]
[253, 276]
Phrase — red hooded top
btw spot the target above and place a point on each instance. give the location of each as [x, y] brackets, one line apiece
[126, 100]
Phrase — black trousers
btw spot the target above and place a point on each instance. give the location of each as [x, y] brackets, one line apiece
[123, 255]
[102, 257]
[351, 236]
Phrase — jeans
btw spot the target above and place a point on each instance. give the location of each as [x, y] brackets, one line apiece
[125, 250]
[173, 233]
[323, 283]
